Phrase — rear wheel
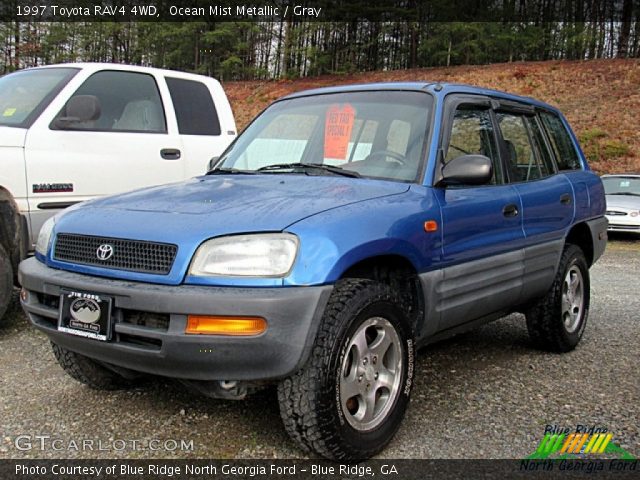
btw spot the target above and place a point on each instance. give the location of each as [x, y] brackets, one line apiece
[88, 371]
[557, 321]
[348, 401]
[6, 281]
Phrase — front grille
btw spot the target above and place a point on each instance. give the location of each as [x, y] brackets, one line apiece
[614, 213]
[131, 255]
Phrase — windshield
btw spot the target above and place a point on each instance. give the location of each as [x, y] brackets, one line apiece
[374, 134]
[621, 185]
[23, 95]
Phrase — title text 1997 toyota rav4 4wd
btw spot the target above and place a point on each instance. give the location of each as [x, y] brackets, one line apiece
[77, 131]
[344, 228]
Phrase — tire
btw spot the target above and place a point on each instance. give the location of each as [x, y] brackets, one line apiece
[6, 281]
[88, 371]
[557, 321]
[323, 405]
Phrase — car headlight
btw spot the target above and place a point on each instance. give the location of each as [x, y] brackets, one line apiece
[44, 237]
[256, 255]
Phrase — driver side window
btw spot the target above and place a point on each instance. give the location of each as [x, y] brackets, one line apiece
[126, 102]
[472, 134]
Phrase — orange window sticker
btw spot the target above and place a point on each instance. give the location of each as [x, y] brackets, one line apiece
[337, 131]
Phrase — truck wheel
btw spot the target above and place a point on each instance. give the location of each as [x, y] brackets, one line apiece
[88, 371]
[556, 322]
[347, 402]
[6, 281]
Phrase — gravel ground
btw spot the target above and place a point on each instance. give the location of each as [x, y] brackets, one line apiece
[485, 394]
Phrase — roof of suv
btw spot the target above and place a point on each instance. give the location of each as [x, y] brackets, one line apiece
[433, 87]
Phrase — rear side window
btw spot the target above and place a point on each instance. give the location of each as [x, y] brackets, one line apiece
[525, 160]
[566, 155]
[541, 145]
[194, 107]
[127, 102]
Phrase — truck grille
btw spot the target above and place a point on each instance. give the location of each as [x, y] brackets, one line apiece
[131, 255]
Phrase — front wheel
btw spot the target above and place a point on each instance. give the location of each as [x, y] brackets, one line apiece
[349, 399]
[557, 321]
[88, 371]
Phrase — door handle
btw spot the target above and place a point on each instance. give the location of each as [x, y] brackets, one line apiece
[170, 153]
[565, 199]
[510, 210]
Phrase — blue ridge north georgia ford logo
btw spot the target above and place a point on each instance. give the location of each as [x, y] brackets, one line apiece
[85, 310]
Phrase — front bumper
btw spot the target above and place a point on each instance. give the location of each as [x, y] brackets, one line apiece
[621, 224]
[150, 320]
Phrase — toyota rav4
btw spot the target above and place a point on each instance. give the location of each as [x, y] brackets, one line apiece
[343, 229]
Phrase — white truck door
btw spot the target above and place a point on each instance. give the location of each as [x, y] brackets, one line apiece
[205, 121]
[131, 141]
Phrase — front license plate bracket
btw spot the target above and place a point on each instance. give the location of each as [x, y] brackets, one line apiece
[86, 315]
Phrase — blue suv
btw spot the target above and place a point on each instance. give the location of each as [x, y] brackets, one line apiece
[345, 228]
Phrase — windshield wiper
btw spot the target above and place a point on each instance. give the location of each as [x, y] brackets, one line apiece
[226, 170]
[625, 193]
[310, 166]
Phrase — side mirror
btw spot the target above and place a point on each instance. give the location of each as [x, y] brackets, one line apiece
[81, 108]
[467, 170]
[212, 163]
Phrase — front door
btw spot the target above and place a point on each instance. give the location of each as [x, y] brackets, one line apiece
[482, 225]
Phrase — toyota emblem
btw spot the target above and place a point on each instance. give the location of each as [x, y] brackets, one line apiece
[104, 252]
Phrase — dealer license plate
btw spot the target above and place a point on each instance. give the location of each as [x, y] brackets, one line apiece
[86, 315]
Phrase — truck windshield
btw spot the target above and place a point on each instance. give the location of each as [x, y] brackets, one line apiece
[24, 95]
[378, 134]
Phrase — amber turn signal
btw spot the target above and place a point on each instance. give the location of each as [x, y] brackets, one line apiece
[430, 226]
[235, 326]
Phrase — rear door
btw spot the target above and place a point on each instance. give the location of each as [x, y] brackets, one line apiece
[481, 225]
[204, 120]
[586, 187]
[129, 145]
[547, 197]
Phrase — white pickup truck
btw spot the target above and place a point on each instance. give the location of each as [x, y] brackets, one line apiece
[72, 132]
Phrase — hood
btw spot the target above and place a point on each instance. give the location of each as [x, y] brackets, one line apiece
[241, 203]
[631, 202]
[190, 212]
[12, 136]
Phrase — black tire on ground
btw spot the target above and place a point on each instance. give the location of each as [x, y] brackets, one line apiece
[88, 371]
[6, 281]
[557, 321]
[311, 401]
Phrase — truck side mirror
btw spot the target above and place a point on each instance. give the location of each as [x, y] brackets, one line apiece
[212, 163]
[467, 170]
[80, 108]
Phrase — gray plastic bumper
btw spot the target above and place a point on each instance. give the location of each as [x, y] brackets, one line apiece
[292, 313]
[598, 228]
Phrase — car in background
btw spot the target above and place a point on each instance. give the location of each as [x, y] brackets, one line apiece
[77, 131]
[623, 202]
